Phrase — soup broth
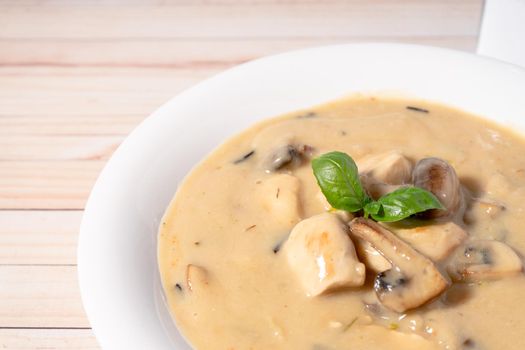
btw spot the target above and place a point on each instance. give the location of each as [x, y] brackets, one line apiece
[227, 276]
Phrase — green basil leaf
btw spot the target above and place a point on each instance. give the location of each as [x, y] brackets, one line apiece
[404, 202]
[337, 175]
[372, 208]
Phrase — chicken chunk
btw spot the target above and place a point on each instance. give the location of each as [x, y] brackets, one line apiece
[377, 189]
[343, 214]
[322, 255]
[390, 168]
[436, 241]
[280, 199]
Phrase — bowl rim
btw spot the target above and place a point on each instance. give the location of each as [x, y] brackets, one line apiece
[85, 255]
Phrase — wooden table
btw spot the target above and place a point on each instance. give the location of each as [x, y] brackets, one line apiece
[77, 76]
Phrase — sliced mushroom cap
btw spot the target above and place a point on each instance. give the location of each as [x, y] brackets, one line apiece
[287, 156]
[436, 241]
[322, 255]
[372, 259]
[413, 279]
[196, 278]
[483, 260]
[390, 168]
[439, 177]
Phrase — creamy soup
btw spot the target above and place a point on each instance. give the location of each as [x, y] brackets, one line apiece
[235, 278]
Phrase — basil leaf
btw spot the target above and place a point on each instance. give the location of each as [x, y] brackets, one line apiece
[337, 175]
[372, 208]
[403, 202]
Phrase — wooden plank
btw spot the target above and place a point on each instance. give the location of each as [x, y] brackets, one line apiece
[47, 185]
[179, 52]
[97, 91]
[74, 124]
[53, 147]
[39, 237]
[47, 339]
[40, 296]
[243, 20]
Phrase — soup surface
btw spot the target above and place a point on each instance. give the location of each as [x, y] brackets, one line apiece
[225, 270]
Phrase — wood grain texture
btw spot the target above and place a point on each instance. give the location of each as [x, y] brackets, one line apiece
[220, 53]
[76, 76]
[341, 19]
[47, 339]
[40, 296]
[47, 184]
[93, 90]
[32, 237]
[75, 123]
[55, 147]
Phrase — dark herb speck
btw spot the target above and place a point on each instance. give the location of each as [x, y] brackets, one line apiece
[277, 247]
[249, 228]
[478, 255]
[307, 115]
[417, 109]
[469, 343]
[348, 326]
[389, 280]
[244, 157]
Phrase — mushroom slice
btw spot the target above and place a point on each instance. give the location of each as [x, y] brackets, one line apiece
[435, 241]
[484, 260]
[439, 177]
[372, 259]
[322, 255]
[413, 279]
[390, 168]
[288, 156]
[280, 199]
[196, 277]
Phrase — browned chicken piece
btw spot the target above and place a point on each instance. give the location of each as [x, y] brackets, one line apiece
[322, 255]
[436, 241]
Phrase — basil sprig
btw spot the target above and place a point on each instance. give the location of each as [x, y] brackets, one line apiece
[338, 177]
